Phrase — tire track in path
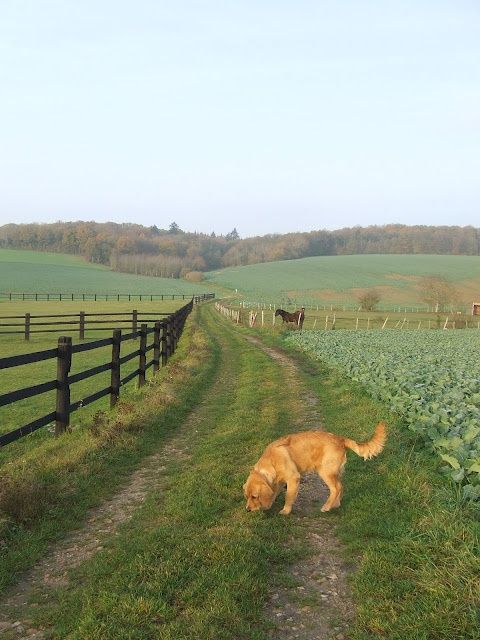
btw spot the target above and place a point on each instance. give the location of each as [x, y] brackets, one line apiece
[317, 603]
[101, 524]
[77, 547]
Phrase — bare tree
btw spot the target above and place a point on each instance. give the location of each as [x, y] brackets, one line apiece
[437, 292]
[368, 299]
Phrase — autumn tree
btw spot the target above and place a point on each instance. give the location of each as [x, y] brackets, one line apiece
[368, 299]
[437, 292]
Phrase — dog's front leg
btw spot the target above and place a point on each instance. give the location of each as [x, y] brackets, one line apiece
[293, 483]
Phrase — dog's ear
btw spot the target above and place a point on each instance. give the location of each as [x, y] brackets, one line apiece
[269, 490]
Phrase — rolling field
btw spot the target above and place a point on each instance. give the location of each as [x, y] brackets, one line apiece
[338, 279]
[31, 271]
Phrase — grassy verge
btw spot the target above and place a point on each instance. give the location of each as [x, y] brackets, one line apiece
[192, 563]
[49, 489]
[417, 545]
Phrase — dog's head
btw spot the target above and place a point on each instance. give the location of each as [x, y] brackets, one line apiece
[258, 492]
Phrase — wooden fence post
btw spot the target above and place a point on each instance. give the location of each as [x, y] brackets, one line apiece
[64, 362]
[156, 347]
[134, 319]
[27, 326]
[81, 333]
[175, 331]
[173, 334]
[142, 362]
[115, 377]
[163, 342]
[168, 339]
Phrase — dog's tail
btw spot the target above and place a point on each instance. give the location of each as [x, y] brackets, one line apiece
[371, 448]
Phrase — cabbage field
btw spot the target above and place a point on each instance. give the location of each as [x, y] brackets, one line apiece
[430, 378]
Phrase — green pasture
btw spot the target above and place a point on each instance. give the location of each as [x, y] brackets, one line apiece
[339, 279]
[31, 271]
[25, 411]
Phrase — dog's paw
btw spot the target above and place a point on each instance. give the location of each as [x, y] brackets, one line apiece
[325, 508]
[285, 511]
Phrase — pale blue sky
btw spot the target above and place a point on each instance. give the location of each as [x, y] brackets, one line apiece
[267, 116]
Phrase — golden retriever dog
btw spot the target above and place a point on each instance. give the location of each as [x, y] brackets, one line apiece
[284, 460]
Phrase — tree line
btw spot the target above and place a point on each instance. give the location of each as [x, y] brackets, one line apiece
[172, 252]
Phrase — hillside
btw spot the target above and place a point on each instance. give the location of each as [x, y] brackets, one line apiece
[30, 271]
[339, 279]
[172, 252]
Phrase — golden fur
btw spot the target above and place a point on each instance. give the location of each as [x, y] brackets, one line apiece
[284, 460]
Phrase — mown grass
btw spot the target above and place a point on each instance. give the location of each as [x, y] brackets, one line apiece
[416, 542]
[48, 489]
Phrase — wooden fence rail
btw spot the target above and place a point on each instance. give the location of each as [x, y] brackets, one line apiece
[166, 333]
[76, 322]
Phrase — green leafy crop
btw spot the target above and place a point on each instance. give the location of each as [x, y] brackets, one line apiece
[430, 378]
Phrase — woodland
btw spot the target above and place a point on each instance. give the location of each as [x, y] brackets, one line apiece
[173, 252]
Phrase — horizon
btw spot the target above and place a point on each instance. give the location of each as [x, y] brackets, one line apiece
[269, 119]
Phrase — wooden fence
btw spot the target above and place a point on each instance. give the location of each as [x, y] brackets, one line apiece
[266, 318]
[341, 306]
[165, 333]
[94, 297]
[69, 322]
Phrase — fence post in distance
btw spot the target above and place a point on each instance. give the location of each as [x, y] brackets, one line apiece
[163, 343]
[156, 347]
[64, 362]
[81, 333]
[142, 364]
[115, 377]
[173, 333]
[27, 326]
[168, 339]
[134, 319]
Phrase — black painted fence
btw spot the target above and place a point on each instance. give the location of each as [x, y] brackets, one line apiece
[165, 335]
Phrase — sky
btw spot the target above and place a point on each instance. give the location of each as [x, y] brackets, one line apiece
[267, 116]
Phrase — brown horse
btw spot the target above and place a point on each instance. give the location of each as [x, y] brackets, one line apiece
[297, 316]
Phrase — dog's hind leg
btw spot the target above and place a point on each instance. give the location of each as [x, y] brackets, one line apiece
[293, 485]
[332, 481]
